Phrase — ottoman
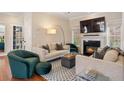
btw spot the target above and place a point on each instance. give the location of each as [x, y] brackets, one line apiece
[68, 60]
[43, 68]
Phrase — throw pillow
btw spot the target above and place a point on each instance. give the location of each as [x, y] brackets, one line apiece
[59, 46]
[103, 51]
[97, 55]
[46, 47]
[111, 55]
[100, 54]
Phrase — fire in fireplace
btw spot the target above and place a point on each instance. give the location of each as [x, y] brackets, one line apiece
[90, 47]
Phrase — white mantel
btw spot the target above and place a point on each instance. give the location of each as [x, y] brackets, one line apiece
[102, 37]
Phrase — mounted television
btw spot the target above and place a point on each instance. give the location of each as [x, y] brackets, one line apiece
[93, 25]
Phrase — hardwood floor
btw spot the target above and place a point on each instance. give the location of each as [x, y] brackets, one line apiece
[5, 72]
[33, 78]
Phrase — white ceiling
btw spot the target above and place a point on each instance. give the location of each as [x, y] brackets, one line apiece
[68, 15]
[12, 13]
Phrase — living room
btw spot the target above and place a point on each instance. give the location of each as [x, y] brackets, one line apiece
[52, 35]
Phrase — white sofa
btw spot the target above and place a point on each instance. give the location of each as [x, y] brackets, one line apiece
[113, 70]
[45, 56]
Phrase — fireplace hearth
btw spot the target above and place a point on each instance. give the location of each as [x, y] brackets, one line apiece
[90, 46]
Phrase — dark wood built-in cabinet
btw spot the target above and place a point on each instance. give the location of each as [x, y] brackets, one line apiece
[93, 25]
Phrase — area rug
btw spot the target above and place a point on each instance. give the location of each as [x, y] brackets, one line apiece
[60, 73]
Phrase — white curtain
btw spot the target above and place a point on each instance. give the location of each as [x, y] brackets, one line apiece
[122, 32]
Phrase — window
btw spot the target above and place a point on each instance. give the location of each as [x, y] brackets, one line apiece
[115, 39]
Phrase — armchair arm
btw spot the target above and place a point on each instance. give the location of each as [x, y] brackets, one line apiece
[19, 67]
[73, 47]
[17, 58]
[113, 70]
[31, 54]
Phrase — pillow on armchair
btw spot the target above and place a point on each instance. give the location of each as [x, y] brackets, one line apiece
[111, 55]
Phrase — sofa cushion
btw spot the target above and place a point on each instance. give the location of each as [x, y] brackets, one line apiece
[52, 46]
[56, 53]
[111, 55]
[44, 51]
[121, 52]
[66, 47]
[120, 60]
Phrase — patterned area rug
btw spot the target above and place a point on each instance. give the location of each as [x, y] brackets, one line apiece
[60, 73]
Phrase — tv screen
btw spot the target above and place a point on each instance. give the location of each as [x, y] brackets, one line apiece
[93, 25]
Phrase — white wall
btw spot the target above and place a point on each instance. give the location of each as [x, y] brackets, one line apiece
[28, 30]
[9, 21]
[42, 21]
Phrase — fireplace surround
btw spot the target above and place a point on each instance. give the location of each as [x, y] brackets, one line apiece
[89, 38]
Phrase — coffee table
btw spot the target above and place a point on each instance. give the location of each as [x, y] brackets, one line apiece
[68, 60]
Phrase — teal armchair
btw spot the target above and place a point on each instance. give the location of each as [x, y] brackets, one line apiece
[22, 63]
[73, 48]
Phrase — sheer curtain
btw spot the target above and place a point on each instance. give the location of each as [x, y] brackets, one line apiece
[122, 32]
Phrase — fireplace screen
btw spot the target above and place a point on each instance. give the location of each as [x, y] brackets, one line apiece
[90, 47]
[90, 50]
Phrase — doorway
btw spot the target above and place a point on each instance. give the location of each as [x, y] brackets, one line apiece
[2, 38]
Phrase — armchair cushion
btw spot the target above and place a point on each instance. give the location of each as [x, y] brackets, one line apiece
[32, 59]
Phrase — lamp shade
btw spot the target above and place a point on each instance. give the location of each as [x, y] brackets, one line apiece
[51, 31]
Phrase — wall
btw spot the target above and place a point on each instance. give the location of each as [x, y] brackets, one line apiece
[42, 21]
[113, 19]
[28, 30]
[9, 21]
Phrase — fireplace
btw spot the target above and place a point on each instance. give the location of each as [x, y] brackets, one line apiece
[90, 46]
